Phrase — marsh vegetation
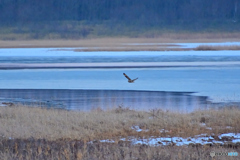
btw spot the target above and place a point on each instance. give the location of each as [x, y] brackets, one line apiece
[39, 133]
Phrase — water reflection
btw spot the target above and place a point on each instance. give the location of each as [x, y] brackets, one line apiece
[90, 99]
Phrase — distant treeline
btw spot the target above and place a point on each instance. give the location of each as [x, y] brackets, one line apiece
[81, 18]
[147, 12]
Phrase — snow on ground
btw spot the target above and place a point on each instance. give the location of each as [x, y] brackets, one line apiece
[201, 139]
[138, 129]
[179, 141]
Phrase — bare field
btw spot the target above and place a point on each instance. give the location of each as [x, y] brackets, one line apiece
[124, 43]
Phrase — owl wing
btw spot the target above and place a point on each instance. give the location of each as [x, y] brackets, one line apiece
[127, 76]
[135, 79]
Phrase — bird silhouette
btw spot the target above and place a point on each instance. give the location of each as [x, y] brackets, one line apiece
[129, 79]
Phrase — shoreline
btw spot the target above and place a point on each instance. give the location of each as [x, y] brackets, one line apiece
[118, 44]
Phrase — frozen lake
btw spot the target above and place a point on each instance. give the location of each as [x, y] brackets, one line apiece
[218, 82]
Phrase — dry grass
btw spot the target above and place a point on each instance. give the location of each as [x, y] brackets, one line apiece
[38, 133]
[66, 149]
[217, 47]
[52, 124]
[116, 43]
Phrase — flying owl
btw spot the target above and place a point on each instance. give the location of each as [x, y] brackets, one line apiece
[129, 79]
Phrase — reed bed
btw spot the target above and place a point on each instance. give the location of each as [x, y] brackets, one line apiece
[72, 149]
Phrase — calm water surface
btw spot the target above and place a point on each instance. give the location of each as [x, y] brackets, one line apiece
[169, 87]
[91, 99]
[43, 55]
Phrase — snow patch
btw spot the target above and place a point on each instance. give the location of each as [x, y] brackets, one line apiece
[201, 139]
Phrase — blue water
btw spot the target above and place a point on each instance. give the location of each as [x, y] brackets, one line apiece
[43, 55]
[79, 99]
[218, 84]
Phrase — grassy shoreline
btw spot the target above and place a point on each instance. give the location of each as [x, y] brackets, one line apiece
[124, 43]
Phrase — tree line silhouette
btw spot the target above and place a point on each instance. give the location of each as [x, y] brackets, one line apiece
[148, 12]
[82, 18]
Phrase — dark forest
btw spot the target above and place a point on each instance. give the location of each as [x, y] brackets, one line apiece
[85, 16]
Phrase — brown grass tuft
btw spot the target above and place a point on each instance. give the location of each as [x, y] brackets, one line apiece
[217, 47]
